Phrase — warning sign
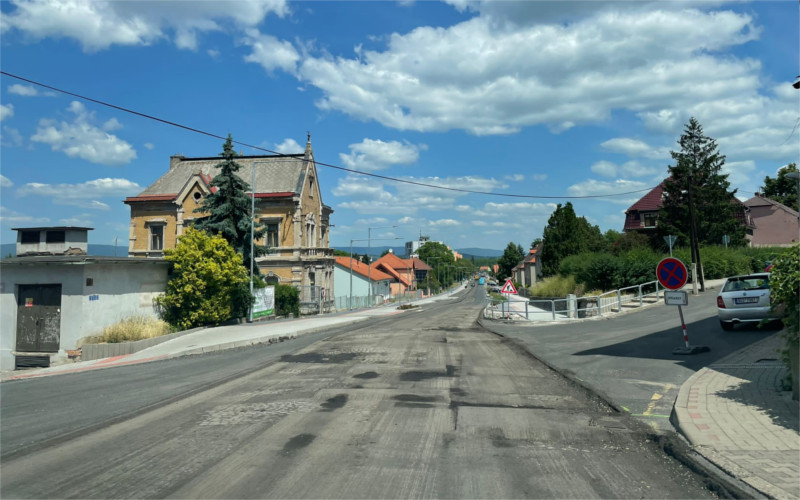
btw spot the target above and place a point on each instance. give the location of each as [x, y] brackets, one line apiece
[509, 288]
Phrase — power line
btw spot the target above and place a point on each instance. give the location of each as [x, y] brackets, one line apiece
[337, 167]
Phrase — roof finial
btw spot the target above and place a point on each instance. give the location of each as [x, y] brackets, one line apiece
[308, 136]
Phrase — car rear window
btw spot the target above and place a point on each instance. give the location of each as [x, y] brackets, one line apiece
[747, 283]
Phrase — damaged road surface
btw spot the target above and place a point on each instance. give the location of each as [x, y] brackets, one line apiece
[421, 405]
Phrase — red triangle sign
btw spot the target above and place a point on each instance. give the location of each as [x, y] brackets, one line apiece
[509, 288]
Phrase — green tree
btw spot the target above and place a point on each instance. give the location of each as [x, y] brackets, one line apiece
[785, 294]
[782, 189]
[287, 301]
[536, 242]
[365, 259]
[208, 285]
[567, 234]
[696, 181]
[512, 255]
[228, 208]
[341, 253]
[437, 256]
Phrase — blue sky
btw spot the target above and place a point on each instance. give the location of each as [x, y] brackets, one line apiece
[549, 101]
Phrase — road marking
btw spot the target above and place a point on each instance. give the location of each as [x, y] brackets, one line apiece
[653, 400]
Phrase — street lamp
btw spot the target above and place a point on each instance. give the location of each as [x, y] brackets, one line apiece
[369, 249]
[252, 230]
[428, 273]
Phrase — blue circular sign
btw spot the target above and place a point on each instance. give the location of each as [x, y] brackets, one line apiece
[671, 273]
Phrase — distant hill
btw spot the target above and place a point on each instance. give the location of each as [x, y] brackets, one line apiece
[98, 250]
[480, 252]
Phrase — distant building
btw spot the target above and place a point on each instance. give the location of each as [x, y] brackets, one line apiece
[352, 279]
[56, 240]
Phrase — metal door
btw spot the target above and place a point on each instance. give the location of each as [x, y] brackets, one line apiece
[38, 318]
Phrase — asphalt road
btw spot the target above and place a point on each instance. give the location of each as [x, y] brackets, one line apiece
[424, 404]
[628, 358]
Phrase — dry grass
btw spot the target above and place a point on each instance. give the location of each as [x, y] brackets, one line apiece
[134, 328]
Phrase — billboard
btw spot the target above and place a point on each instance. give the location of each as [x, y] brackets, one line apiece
[264, 304]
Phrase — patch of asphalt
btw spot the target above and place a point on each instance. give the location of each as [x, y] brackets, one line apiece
[672, 443]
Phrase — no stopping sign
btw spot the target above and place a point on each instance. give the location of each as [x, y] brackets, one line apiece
[671, 273]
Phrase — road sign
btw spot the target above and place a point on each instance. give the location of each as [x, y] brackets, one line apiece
[676, 298]
[509, 288]
[671, 273]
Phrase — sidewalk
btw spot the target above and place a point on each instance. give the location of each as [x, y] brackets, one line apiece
[734, 414]
[225, 337]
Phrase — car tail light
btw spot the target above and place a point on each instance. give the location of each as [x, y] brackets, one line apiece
[720, 302]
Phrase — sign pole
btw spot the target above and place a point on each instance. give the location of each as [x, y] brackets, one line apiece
[672, 275]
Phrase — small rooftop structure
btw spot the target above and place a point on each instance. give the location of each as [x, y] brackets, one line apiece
[53, 240]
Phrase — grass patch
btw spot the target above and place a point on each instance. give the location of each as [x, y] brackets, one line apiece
[134, 328]
[557, 286]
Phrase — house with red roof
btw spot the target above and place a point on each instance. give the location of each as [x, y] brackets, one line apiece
[775, 223]
[287, 200]
[529, 270]
[352, 278]
[406, 273]
[642, 216]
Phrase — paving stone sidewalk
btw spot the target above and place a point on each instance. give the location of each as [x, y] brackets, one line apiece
[734, 413]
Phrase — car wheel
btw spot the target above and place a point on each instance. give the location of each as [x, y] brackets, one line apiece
[726, 326]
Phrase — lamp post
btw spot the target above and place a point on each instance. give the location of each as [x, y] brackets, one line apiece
[428, 275]
[350, 303]
[252, 230]
[369, 249]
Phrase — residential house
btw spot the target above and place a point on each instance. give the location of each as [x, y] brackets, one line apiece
[642, 216]
[352, 279]
[287, 201]
[529, 270]
[775, 223]
[53, 296]
[406, 273]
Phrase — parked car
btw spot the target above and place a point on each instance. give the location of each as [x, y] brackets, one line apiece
[745, 299]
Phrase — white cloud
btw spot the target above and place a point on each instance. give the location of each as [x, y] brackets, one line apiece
[11, 217]
[491, 78]
[374, 154]
[444, 223]
[539, 177]
[515, 177]
[6, 111]
[592, 187]
[213, 53]
[628, 169]
[149, 145]
[23, 90]
[83, 140]
[289, 146]
[83, 220]
[635, 148]
[371, 221]
[5, 181]
[11, 137]
[270, 52]
[100, 24]
[83, 195]
[111, 125]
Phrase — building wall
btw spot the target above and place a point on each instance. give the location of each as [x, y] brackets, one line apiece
[140, 231]
[118, 290]
[774, 226]
[341, 280]
[73, 239]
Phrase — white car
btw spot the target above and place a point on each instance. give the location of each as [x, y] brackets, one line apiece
[745, 299]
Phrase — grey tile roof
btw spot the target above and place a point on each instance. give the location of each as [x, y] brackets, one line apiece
[274, 174]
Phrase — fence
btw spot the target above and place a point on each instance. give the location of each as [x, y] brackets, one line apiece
[344, 303]
[315, 300]
[572, 307]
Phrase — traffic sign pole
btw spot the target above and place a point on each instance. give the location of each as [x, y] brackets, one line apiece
[672, 275]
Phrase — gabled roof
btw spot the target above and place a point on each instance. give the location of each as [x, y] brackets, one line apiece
[362, 269]
[395, 262]
[649, 202]
[399, 269]
[761, 201]
[419, 264]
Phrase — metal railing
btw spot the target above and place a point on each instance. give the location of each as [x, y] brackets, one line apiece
[573, 307]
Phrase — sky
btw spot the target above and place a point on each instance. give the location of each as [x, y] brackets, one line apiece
[529, 103]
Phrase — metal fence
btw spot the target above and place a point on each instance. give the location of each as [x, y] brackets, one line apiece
[344, 302]
[572, 307]
[315, 300]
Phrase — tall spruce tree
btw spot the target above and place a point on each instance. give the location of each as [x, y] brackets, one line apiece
[512, 255]
[697, 205]
[228, 208]
[567, 234]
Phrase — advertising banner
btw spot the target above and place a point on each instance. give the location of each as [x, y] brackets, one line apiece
[265, 302]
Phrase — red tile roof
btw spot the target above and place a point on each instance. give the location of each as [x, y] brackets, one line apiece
[651, 201]
[364, 270]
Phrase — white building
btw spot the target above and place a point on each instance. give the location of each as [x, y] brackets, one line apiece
[360, 277]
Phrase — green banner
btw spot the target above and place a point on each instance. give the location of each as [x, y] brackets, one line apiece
[264, 304]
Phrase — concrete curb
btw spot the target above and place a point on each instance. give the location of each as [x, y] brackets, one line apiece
[90, 352]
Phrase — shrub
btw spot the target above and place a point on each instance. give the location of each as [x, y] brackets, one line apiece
[555, 286]
[132, 328]
[287, 300]
[209, 284]
[637, 267]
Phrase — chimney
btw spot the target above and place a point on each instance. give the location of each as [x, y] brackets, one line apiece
[175, 159]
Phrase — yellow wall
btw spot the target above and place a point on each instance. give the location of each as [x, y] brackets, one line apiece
[311, 205]
[140, 216]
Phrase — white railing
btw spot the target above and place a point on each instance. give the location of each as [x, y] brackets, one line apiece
[573, 307]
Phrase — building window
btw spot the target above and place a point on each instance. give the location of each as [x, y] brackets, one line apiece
[156, 237]
[56, 237]
[272, 236]
[29, 237]
[650, 220]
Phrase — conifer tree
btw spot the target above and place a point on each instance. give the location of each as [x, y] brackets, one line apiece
[567, 234]
[228, 208]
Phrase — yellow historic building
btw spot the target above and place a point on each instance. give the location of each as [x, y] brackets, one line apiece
[287, 201]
